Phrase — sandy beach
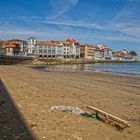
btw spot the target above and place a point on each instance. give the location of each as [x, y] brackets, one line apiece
[30, 94]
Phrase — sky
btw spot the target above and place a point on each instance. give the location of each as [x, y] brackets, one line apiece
[115, 23]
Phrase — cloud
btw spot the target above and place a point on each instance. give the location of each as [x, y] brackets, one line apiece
[121, 31]
[60, 13]
[60, 7]
[119, 28]
[116, 29]
[80, 30]
[76, 24]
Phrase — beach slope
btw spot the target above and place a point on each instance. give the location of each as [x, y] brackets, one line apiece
[34, 92]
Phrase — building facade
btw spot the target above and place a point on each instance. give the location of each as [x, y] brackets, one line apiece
[2, 49]
[98, 52]
[70, 49]
[15, 47]
[87, 51]
[120, 55]
[31, 42]
[58, 49]
[102, 52]
[66, 49]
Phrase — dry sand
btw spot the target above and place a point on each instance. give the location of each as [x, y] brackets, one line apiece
[26, 96]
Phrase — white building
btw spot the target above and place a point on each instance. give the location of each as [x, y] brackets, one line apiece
[58, 49]
[102, 52]
[70, 49]
[31, 42]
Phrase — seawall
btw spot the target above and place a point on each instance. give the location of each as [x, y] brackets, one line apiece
[9, 60]
[78, 61]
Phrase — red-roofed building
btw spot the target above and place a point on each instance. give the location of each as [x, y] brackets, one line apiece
[58, 49]
[12, 48]
[99, 52]
[120, 55]
[46, 49]
[15, 47]
[102, 52]
[71, 40]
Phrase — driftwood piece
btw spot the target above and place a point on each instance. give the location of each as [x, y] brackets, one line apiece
[109, 116]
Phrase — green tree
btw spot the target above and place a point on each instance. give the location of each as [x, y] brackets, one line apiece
[132, 54]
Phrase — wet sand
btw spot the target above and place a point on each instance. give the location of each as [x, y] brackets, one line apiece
[35, 92]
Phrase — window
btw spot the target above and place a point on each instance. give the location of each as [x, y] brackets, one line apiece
[45, 47]
[49, 51]
[45, 51]
[8, 50]
[53, 48]
[40, 51]
[40, 47]
[49, 47]
[53, 51]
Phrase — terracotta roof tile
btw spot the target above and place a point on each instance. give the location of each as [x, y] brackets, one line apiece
[67, 43]
[10, 44]
[71, 40]
[47, 43]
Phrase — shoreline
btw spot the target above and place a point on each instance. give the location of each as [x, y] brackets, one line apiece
[96, 72]
[11, 60]
[67, 62]
[45, 62]
[79, 68]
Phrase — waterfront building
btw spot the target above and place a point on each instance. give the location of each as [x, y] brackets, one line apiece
[70, 49]
[87, 51]
[31, 42]
[102, 52]
[97, 52]
[120, 55]
[45, 50]
[58, 49]
[15, 47]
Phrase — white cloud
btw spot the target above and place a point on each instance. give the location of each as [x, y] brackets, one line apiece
[60, 7]
[122, 28]
[116, 31]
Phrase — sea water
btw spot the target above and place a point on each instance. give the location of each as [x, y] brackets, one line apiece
[116, 68]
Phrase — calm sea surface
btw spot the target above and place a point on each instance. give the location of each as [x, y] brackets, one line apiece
[116, 68]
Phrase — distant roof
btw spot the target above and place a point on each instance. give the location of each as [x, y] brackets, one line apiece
[54, 43]
[71, 40]
[84, 45]
[102, 47]
[10, 44]
[47, 43]
[120, 53]
[67, 42]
